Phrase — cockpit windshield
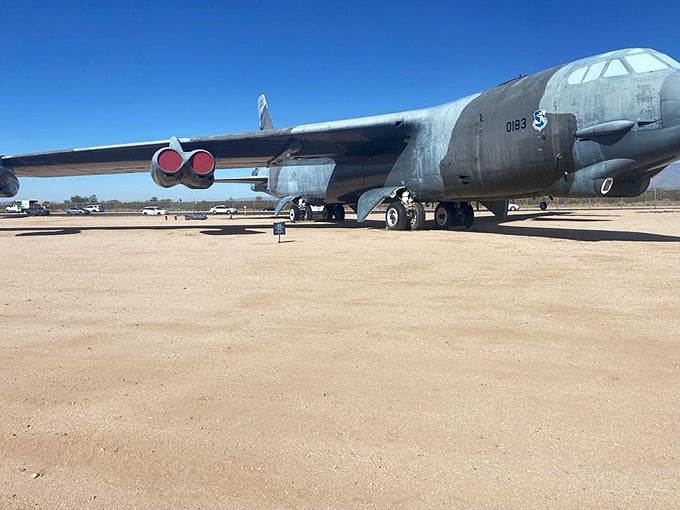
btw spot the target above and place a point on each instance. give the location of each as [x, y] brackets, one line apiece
[633, 62]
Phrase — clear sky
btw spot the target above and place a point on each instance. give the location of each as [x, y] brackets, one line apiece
[83, 73]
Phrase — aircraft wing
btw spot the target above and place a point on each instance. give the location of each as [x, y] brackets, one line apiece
[382, 136]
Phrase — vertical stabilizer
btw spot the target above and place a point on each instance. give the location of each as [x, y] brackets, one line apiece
[263, 111]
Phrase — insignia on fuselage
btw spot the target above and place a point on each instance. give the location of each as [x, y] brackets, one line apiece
[540, 120]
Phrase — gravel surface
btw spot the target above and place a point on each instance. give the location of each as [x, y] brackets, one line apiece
[148, 362]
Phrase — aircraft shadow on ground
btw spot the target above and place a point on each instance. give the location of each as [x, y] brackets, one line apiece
[489, 226]
[485, 224]
[220, 230]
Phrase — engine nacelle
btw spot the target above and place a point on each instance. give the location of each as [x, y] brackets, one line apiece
[9, 184]
[171, 166]
[593, 188]
[604, 179]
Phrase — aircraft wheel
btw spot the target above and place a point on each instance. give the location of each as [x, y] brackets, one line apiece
[294, 213]
[327, 213]
[396, 217]
[444, 215]
[469, 213]
[339, 212]
[418, 219]
[543, 205]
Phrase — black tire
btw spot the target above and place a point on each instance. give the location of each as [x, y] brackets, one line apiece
[309, 214]
[294, 213]
[396, 217]
[418, 219]
[469, 215]
[444, 215]
[327, 213]
[339, 212]
[543, 205]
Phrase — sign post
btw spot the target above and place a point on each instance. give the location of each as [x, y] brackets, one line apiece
[280, 229]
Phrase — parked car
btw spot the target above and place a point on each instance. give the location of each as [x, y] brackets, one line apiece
[94, 208]
[513, 207]
[72, 211]
[154, 210]
[13, 208]
[223, 209]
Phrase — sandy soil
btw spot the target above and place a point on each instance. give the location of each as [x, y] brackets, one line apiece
[153, 363]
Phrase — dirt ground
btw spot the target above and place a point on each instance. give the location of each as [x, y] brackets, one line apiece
[161, 363]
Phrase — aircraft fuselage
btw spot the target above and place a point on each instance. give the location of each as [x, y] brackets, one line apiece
[528, 137]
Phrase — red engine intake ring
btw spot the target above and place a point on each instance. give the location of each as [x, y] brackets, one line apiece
[169, 160]
[202, 162]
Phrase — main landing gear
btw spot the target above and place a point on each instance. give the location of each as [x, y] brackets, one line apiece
[449, 214]
[301, 210]
[405, 213]
[333, 213]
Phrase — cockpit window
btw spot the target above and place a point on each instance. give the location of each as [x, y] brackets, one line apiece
[636, 61]
[645, 63]
[670, 61]
[615, 68]
[594, 72]
[577, 76]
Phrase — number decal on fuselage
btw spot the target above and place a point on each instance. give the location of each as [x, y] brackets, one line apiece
[516, 125]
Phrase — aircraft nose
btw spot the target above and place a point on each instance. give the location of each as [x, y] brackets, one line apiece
[670, 101]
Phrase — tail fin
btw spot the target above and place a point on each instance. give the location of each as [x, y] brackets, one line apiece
[263, 111]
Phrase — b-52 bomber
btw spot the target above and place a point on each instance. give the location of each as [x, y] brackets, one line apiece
[600, 126]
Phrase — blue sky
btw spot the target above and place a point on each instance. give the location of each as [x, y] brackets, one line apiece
[83, 73]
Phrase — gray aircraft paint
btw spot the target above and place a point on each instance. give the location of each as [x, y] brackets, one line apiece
[609, 100]
[484, 158]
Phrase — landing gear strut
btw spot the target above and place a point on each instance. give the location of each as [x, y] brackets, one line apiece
[454, 214]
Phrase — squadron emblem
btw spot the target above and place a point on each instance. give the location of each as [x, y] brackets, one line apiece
[540, 120]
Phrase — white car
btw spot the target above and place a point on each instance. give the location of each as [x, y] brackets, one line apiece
[223, 209]
[154, 210]
[513, 207]
[94, 208]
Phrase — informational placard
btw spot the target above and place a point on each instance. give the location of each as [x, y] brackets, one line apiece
[280, 229]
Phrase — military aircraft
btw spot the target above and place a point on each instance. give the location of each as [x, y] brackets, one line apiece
[600, 126]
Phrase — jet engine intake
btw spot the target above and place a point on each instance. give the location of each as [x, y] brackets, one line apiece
[9, 184]
[171, 166]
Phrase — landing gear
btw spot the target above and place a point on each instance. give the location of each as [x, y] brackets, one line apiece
[443, 215]
[544, 204]
[396, 217]
[449, 214]
[294, 214]
[339, 212]
[299, 210]
[469, 215]
[418, 216]
[333, 212]
[405, 213]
